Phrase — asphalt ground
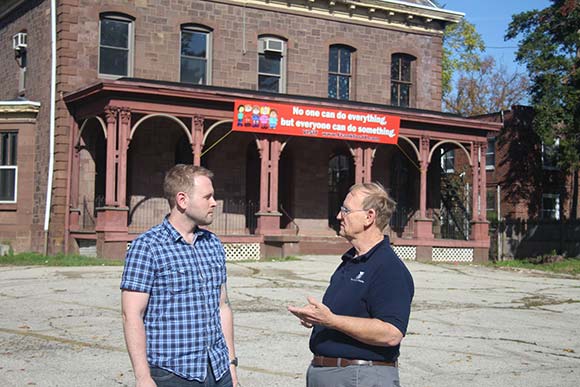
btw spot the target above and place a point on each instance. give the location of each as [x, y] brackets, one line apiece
[470, 326]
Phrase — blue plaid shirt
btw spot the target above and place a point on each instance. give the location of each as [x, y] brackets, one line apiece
[182, 320]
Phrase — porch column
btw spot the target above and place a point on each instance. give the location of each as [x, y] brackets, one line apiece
[363, 162]
[423, 225]
[124, 132]
[74, 210]
[197, 138]
[482, 182]
[112, 115]
[268, 215]
[479, 223]
[111, 227]
[475, 183]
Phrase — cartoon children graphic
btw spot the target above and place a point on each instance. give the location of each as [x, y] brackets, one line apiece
[255, 116]
[240, 115]
[247, 115]
[273, 119]
[264, 116]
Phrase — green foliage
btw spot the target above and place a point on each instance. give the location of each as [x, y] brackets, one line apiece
[567, 266]
[35, 259]
[550, 49]
[462, 50]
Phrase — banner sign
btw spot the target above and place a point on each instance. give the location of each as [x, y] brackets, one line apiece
[313, 121]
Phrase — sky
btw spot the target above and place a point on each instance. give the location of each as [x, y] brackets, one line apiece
[491, 19]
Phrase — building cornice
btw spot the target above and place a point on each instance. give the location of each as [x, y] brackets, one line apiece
[380, 13]
[18, 107]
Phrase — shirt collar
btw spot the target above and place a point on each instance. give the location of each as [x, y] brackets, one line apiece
[176, 236]
[350, 254]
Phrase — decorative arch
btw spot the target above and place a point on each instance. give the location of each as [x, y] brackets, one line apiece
[212, 127]
[451, 142]
[413, 146]
[175, 119]
[83, 125]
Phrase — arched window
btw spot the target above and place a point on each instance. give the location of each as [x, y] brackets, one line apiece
[402, 79]
[195, 55]
[271, 64]
[115, 45]
[340, 71]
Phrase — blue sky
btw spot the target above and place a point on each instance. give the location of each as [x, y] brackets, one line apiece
[491, 19]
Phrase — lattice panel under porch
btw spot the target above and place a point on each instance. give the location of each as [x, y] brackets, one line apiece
[448, 254]
[406, 253]
[242, 251]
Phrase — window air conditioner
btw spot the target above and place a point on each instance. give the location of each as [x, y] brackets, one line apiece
[273, 45]
[19, 41]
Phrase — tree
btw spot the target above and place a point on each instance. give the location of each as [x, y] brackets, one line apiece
[485, 89]
[550, 49]
[462, 48]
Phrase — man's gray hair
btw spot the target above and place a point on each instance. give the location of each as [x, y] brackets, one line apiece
[377, 199]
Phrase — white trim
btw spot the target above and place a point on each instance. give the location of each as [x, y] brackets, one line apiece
[208, 50]
[15, 167]
[283, 63]
[434, 7]
[19, 103]
[130, 46]
[555, 210]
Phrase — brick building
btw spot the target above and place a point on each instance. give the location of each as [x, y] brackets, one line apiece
[536, 201]
[138, 86]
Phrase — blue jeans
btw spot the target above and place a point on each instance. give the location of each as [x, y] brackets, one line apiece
[165, 378]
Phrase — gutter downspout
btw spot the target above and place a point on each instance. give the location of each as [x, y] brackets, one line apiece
[52, 122]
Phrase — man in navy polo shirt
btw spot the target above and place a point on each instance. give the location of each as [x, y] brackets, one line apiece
[358, 327]
[176, 314]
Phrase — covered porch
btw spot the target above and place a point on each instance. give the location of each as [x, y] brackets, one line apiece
[277, 194]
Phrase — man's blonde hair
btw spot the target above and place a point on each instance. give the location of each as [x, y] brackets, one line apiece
[377, 199]
[181, 178]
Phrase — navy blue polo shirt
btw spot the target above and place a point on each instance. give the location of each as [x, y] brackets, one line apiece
[374, 285]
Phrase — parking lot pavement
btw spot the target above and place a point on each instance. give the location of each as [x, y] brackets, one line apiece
[470, 326]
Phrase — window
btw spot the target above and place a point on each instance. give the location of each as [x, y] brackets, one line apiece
[271, 64]
[491, 203]
[339, 71]
[551, 206]
[490, 154]
[448, 160]
[195, 55]
[550, 155]
[20, 44]
[115, 46]
[401, 79]
[8, 167]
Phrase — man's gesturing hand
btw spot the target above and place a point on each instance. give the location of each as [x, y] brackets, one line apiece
[315, 313]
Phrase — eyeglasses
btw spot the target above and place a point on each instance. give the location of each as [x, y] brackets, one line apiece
[345, 211]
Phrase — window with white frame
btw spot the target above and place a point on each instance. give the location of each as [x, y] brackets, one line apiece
[551, 206]
[401, 79]
[195, 55]
[490, 154]
[115, 45]
[550, 155]
[448, 160]
[340, 71]
[8, 166]
[271, 64]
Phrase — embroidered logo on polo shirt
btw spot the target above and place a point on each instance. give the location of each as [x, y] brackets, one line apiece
[358, 277]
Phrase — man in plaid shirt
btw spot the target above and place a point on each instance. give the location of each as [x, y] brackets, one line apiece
[176, 314]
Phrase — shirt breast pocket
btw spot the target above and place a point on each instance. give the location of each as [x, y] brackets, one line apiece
[180, 279]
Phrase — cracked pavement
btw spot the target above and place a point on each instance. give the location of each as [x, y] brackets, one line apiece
[469, 325]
